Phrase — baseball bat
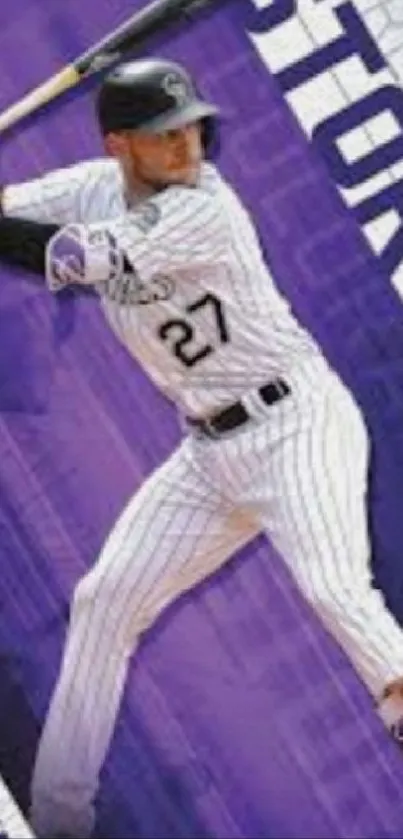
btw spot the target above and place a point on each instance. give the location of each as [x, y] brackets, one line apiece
[153, 18]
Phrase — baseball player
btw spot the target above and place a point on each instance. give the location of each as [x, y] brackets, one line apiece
[273, 441]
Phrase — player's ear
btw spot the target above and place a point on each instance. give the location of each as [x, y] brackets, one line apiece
[116, 143]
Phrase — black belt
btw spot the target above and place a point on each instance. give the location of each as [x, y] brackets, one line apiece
[235, 415]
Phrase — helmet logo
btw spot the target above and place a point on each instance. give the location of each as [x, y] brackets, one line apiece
[176, 87]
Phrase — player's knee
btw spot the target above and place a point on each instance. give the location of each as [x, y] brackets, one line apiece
[102, 592]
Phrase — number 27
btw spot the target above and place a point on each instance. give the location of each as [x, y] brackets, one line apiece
[182, 331]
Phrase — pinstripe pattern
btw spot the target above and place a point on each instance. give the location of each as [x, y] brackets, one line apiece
[57, 196]
[288, 473]
[206, 243]
[317, 519]
[174, 532]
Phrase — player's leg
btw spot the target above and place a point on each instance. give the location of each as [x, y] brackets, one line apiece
[316, 515]
[173, 533]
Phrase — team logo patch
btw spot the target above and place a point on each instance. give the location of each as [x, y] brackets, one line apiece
[146, 216]
[176, 87]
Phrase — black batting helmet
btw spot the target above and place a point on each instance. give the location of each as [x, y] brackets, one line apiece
[153, 95]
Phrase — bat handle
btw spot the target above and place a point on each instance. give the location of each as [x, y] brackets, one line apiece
[57, 84]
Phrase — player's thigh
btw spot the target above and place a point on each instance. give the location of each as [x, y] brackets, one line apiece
[226, 532]
[174, 532]
[317, 512]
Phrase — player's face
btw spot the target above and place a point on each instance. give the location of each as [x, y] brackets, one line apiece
[173, 157]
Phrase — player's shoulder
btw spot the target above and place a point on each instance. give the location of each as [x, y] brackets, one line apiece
[205, 192]
[99, 167]
[211, 181]
[214, 185]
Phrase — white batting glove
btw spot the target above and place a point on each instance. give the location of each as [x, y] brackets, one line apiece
[76, 254]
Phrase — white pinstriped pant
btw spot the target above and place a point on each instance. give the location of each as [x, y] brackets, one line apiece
[300, 474]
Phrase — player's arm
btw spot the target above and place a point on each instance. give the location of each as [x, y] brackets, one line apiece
[23, 243]
[53, 198]
[177, 229]
[64, 255]
[31, 213]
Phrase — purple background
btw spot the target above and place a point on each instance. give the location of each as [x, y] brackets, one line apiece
[241, 717]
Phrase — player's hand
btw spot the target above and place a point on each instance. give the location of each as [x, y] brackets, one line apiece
[65, 258]
[78, 254]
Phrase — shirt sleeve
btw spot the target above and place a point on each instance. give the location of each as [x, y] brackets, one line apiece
[52, 198]
[178, 229]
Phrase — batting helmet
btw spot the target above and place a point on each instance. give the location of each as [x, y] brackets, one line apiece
[153, 95]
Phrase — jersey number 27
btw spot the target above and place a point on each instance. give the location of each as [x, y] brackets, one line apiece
[181, 332]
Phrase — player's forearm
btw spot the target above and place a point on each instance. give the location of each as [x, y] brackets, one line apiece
[63, 255]
[23, 243]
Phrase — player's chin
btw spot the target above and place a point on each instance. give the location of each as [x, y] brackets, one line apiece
[187, 175]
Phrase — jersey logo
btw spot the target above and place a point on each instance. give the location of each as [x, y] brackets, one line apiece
[146, 216]
[129, 290]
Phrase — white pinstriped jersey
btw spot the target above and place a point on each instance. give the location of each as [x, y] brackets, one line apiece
[200, 312]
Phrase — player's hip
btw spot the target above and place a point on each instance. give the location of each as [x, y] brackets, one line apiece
[283, 406]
